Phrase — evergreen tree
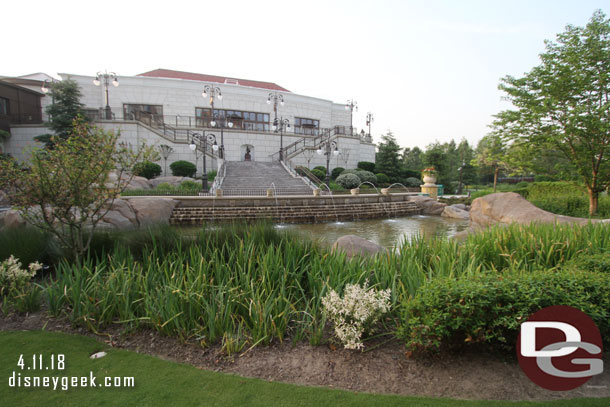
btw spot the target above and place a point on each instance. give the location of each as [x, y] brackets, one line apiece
[65, 108]
[387, 159]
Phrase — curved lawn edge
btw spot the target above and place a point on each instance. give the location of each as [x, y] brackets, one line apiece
[160, 382]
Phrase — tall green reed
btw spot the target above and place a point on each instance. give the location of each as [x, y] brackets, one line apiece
[248, 285]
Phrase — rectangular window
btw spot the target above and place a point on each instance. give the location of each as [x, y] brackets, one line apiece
[310, 127]
[4, 107]
[143, 112]
[240, 119]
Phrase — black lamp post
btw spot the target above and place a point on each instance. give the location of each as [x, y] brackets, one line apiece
[327, 148]
[197, 138]
[106, 78]
[215, 92]
[222, 123]
[279, 125]
[369, 120]
[275, 98]
[351, 106]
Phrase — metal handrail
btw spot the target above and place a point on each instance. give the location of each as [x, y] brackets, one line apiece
[294, 174]
[309, 174]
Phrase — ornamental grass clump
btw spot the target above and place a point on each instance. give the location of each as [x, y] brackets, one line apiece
[356, 313]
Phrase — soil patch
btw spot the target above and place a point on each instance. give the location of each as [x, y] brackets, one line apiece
[385, 369]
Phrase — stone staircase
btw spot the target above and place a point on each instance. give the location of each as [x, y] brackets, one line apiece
[255, 178]
[294, 214]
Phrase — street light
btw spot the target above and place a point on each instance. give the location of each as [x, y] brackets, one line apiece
[369, 120]
[215, 92]
[327, 148]
[222, 123]
[351, 106]
[275, 97]
[105, 78]
[280, 125]
[200, 139]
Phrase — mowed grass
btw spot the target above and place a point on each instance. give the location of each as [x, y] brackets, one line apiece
[164, 383]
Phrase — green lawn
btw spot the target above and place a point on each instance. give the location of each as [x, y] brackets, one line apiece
[163, 383]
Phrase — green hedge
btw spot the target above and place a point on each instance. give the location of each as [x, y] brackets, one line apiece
[147, 169]
[488, 308]
[366, 166]
[183, 168]
[336, 172]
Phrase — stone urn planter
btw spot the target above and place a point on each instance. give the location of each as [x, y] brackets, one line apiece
[355, 191]
[429, 177]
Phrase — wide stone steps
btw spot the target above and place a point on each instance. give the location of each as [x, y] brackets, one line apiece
[293, 214]
[249, 175]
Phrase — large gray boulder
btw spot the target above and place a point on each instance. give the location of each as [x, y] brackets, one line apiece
[11, 219]
[455, 212]
[121, 216]
[354, 245]
[428, 205]
[510, 207]
[150, 211]
[138, 183]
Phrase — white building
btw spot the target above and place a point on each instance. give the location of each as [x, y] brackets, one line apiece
[167, 107]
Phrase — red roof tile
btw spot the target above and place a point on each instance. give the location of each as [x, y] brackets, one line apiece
[168, 73]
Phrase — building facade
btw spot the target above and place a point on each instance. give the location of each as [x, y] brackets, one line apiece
[164, 107]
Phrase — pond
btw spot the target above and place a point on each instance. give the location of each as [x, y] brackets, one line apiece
[389, 233]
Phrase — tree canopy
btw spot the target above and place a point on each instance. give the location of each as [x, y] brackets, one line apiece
[564, 103]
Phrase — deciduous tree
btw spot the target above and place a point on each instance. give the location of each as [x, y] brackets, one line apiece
[565, 103]
[68, 189]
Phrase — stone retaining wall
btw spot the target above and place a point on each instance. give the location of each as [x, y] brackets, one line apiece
[297, 200]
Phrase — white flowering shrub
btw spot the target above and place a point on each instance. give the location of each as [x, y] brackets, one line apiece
[355, 313]
[13, 277]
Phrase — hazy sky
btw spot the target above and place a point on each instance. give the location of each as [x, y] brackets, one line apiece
[427, 69]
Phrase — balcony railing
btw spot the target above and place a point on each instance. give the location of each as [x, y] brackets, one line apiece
[193, 122]
[23, 118]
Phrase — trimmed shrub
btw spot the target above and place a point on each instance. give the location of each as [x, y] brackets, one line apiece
[336, 172]
[183, 168]
[147, 170]
[413, 182]
[348, 181]
[319, 168]
[367, 176]
[382, 178]
[364, 176]
[488, 308]
[321, 174]
[599, 263]
[366, 166]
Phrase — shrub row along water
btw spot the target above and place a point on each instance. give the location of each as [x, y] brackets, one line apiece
[248, 285]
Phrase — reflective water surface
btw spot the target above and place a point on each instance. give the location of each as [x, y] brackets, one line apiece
[389, 233]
